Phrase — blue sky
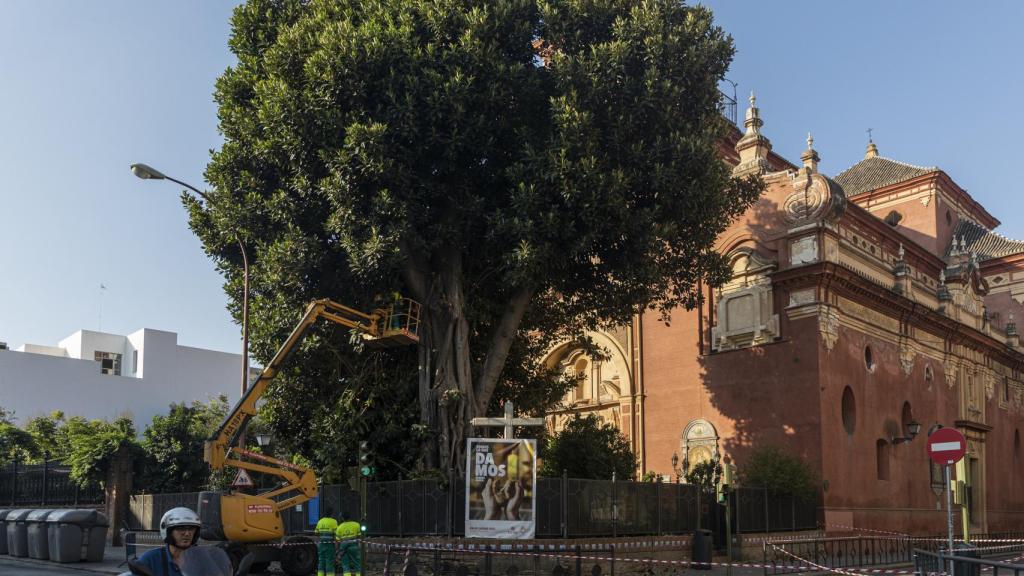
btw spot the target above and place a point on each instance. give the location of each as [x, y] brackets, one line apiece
[91, 87]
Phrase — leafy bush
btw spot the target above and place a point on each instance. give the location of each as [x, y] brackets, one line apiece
[780, 472]
[587, 448]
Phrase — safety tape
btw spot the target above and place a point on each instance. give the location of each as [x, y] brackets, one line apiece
[684, 563]
[867, 530]
[827, 569]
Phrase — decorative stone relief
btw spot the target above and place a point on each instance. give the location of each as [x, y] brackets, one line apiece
[949, 368]
[828, 326]
[907, 355]
[868, 315]
[926, 199]
[990, 385]
[801, 297]
[745, 304]
[803, 251]
[1018, 295]
[813, 198]
[745, 318]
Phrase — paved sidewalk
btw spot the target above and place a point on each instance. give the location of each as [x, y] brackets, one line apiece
[111, 564]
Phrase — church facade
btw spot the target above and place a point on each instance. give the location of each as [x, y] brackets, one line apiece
[861, 307]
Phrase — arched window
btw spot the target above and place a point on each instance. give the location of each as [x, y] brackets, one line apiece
[582, 371]
[869, 361]
[906, 418]
[882, 459]
[849, 411]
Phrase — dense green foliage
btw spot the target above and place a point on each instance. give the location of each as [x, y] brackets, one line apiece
[94, 445]
[525, 169]
[174, 446]
[780, 472]
[588, 448]
[169, 457]
[706, 474]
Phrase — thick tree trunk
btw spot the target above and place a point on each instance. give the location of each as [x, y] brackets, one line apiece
[449, 395]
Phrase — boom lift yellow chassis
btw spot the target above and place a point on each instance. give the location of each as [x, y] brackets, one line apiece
[245, 519]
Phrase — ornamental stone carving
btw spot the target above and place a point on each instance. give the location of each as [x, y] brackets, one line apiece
[907, 355]
[813, 198]
[828, 326]
[949, 369]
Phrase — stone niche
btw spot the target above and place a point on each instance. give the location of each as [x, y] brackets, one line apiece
[745, 311]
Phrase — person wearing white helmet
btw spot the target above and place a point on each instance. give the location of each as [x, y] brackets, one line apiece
[179, 529]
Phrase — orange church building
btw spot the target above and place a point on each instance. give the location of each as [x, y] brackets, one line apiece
[859, 304]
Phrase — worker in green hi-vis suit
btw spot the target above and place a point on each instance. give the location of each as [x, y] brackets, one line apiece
[348, 535]
[325, 548]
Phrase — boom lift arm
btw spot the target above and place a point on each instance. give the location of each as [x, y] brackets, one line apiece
[396, 325]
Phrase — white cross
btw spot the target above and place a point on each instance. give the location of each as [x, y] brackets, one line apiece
[508, 421]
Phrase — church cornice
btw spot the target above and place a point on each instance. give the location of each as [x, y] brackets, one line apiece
[833, 278]
[972, 425]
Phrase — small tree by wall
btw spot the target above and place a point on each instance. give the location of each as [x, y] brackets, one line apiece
[588, 448]
[780, 472]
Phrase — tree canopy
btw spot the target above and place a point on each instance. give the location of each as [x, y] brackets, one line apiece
[525, 169]
[588, 448]
[174, 446]
[779, 471]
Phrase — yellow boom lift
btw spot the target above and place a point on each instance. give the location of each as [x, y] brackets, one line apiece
[245, 519]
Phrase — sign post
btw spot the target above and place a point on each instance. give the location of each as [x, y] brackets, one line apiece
[946, 446]
[501, 480]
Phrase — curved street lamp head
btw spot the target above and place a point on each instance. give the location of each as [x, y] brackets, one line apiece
[147, 172]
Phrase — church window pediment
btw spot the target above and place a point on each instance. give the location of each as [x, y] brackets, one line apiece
[745, 314]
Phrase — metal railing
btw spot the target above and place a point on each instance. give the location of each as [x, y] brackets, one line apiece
[145, 510]
[727, 105]
[757, 510]
[566, 508]
[397, 560]
[939, 562]
[46, 484]
[789, 556]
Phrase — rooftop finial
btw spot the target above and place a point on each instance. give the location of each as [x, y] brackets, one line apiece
[963, 245]
[942, 276]
[810, 156]
[872, 149]
[901, 253]
[753, 147]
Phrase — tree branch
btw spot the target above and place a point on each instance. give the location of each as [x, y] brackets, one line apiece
[497, 352]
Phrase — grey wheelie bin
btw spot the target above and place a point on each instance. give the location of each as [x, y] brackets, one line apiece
[77, 535]
[17, 532]
[38, 545]
[3, 531]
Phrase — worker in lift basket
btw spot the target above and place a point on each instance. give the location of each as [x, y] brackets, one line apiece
[348, 536]
[325, 549]
[179, 529]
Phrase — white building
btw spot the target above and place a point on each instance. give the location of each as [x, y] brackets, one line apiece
[99, 375]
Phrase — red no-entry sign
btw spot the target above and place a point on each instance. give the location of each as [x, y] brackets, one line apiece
[946, 446]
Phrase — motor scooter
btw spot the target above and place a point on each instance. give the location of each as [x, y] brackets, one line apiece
[200, 561]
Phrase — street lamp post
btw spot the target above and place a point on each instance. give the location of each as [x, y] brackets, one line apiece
[148, 173]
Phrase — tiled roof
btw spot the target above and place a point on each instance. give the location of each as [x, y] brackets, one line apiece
[985, 243]
[876, 172]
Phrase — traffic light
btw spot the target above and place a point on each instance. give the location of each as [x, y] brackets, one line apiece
[365, 463]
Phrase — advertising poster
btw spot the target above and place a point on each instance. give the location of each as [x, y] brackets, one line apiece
[501, 488]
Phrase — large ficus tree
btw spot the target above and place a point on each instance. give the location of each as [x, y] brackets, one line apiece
[520, 167]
